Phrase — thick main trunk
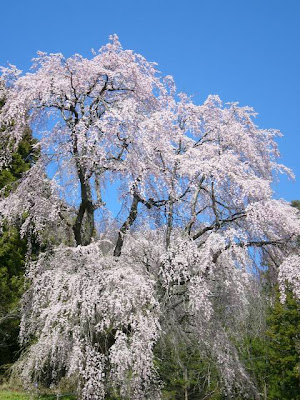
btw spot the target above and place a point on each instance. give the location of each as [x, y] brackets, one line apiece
[84, 224]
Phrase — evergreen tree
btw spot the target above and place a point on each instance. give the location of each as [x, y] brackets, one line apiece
[13, 250]
[274, 357]
[283, 335]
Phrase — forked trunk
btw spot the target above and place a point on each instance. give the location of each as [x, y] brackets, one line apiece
[85, 223]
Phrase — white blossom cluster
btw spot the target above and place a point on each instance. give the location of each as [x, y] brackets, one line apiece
[289, 276]
[93, 316]
[34, 205]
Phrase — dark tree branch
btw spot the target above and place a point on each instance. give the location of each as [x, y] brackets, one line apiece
[221, 222]
[253, 243]
[126, 225]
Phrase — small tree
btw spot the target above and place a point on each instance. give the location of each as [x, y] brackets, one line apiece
[196, 187]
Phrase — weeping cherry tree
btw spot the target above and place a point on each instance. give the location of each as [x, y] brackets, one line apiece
[197, 216]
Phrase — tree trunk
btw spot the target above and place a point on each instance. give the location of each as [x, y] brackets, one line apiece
[185, 377]
[169, 221]
[84, 224]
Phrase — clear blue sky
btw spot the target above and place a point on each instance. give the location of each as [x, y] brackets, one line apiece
[243, 50]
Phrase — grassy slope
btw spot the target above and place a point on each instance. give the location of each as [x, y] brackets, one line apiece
[8, 395]
[11, 395]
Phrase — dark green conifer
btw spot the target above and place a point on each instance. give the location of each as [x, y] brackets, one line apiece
[13, 250]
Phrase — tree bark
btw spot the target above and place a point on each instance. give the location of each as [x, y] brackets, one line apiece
[169, 221]
[127, 224]
[82, 234]
[84, 227]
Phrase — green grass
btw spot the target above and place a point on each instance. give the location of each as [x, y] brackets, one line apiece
[11, 395]
[8, 395]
